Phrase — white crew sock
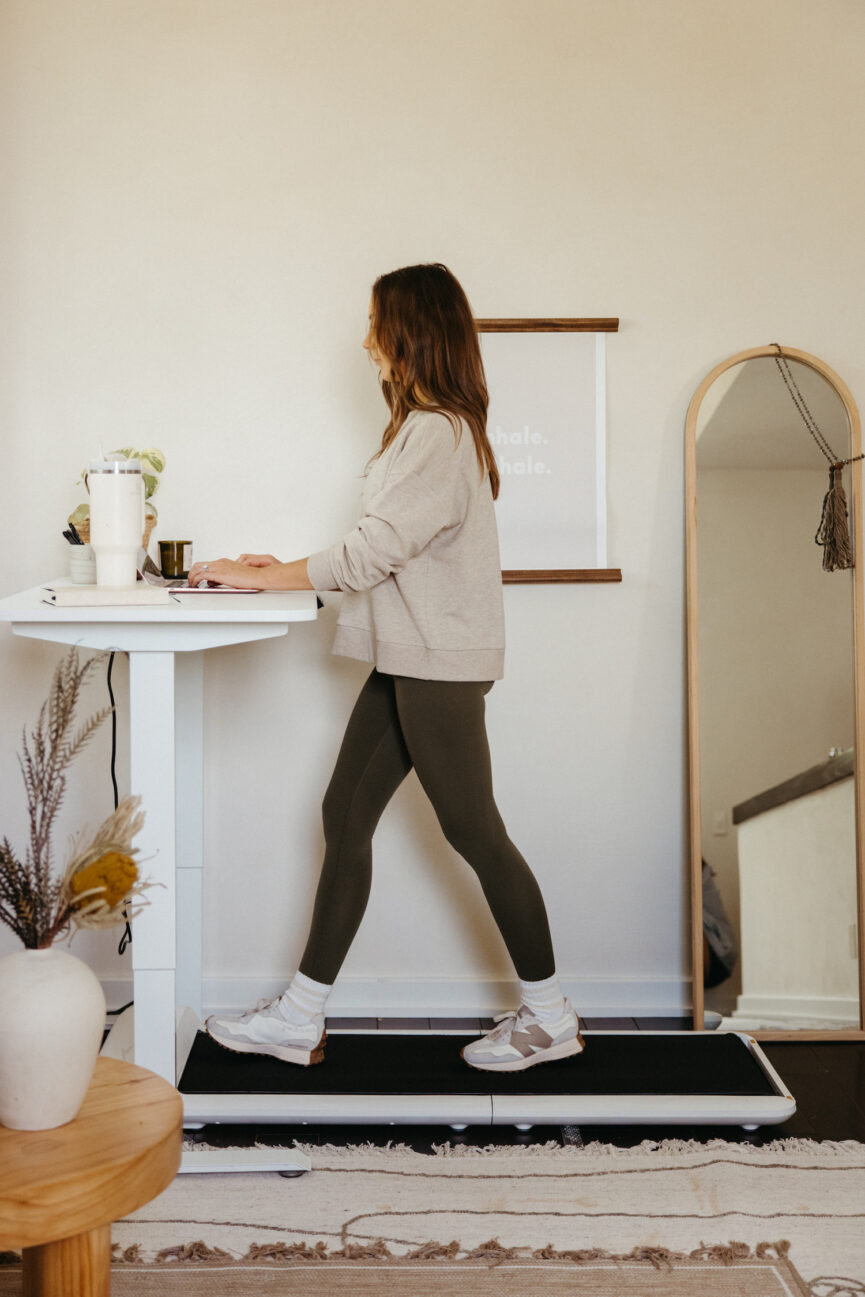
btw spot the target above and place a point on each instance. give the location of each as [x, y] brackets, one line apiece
[303, 1000]
[544, 998]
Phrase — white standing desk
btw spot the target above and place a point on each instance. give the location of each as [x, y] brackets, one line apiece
[165, 644]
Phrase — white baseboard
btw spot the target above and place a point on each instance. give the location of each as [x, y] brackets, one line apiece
[798, 1010]
[444, 997]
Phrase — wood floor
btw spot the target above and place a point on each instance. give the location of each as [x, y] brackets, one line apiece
[826, 1080]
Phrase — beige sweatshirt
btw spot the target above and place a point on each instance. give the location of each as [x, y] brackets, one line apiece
[421, 569]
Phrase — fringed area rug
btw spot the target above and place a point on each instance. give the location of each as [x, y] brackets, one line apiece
[681, 1277]
[679, 1218]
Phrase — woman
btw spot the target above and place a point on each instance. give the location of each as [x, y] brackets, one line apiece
[423, 603]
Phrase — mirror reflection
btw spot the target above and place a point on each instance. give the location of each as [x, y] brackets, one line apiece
[776, 708]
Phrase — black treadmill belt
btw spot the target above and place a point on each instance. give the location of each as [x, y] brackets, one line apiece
[382, 1064]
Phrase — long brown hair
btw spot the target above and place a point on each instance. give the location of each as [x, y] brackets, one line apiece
[423, 324]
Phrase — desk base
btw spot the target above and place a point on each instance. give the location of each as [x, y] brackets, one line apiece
[287, 1161]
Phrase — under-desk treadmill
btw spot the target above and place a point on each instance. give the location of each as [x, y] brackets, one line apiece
[381, 1077]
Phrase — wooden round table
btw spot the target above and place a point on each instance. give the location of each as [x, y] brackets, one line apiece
[61, 1189]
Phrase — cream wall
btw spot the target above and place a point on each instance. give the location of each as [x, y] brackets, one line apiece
[196, 199]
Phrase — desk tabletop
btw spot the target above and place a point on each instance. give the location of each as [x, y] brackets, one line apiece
[121, 1150]
[275, 607]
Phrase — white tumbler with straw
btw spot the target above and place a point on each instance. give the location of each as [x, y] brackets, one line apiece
[116, 519]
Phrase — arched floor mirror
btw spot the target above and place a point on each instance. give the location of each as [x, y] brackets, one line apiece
[775, 702]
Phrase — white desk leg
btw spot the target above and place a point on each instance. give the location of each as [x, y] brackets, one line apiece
[152, 776]
[165, 715]
[189, 785]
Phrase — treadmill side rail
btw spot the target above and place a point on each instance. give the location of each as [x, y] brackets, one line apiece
[641, 1109]
[340, 1109]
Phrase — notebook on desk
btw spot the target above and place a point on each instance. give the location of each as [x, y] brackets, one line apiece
[101, 596]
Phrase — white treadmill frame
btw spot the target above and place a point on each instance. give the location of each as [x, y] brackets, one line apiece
[501, 1110]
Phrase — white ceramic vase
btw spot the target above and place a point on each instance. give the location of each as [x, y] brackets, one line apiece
[52, 1015]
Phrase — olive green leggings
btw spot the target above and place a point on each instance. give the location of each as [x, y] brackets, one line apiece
[437, 727]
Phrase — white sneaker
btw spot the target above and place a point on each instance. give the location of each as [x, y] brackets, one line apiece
[521, 1040]
[263, 1030]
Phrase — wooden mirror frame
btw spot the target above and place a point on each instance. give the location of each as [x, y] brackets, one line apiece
[696, 855]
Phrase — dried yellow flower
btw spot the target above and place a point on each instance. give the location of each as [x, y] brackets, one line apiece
[113, 874]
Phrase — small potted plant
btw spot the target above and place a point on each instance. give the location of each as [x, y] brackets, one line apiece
[152, 466]
[52, 1009]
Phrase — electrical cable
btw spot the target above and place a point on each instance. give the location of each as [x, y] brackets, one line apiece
[127, 932]
[126, 936]
[113, 732]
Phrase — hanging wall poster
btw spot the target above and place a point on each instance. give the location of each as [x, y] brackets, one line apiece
[547, 426]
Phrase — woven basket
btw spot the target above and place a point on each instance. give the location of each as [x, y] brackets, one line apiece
[83, 529]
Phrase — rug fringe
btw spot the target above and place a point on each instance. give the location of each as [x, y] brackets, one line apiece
[197, 1251]
[331, 1150]
[845, 1148]
[833, 1148]
[492, 1253]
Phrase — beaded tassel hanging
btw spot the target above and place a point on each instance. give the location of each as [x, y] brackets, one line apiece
[834, 530]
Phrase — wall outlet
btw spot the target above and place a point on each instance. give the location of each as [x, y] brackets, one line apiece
[720, 823]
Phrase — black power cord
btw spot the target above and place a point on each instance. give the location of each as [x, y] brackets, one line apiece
[126, 937]
[113, 732]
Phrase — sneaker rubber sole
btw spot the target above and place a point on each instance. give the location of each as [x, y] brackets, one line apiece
[566, 1050]
[285, 1053]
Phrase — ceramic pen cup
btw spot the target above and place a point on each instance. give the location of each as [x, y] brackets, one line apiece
[82, 565]
[175, 558]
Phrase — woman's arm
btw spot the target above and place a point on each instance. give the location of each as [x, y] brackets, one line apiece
[426, 491]
[252, 576]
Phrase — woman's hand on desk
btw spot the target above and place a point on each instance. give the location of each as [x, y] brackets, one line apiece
[258, 560]
[267, 574]
[225, 571]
